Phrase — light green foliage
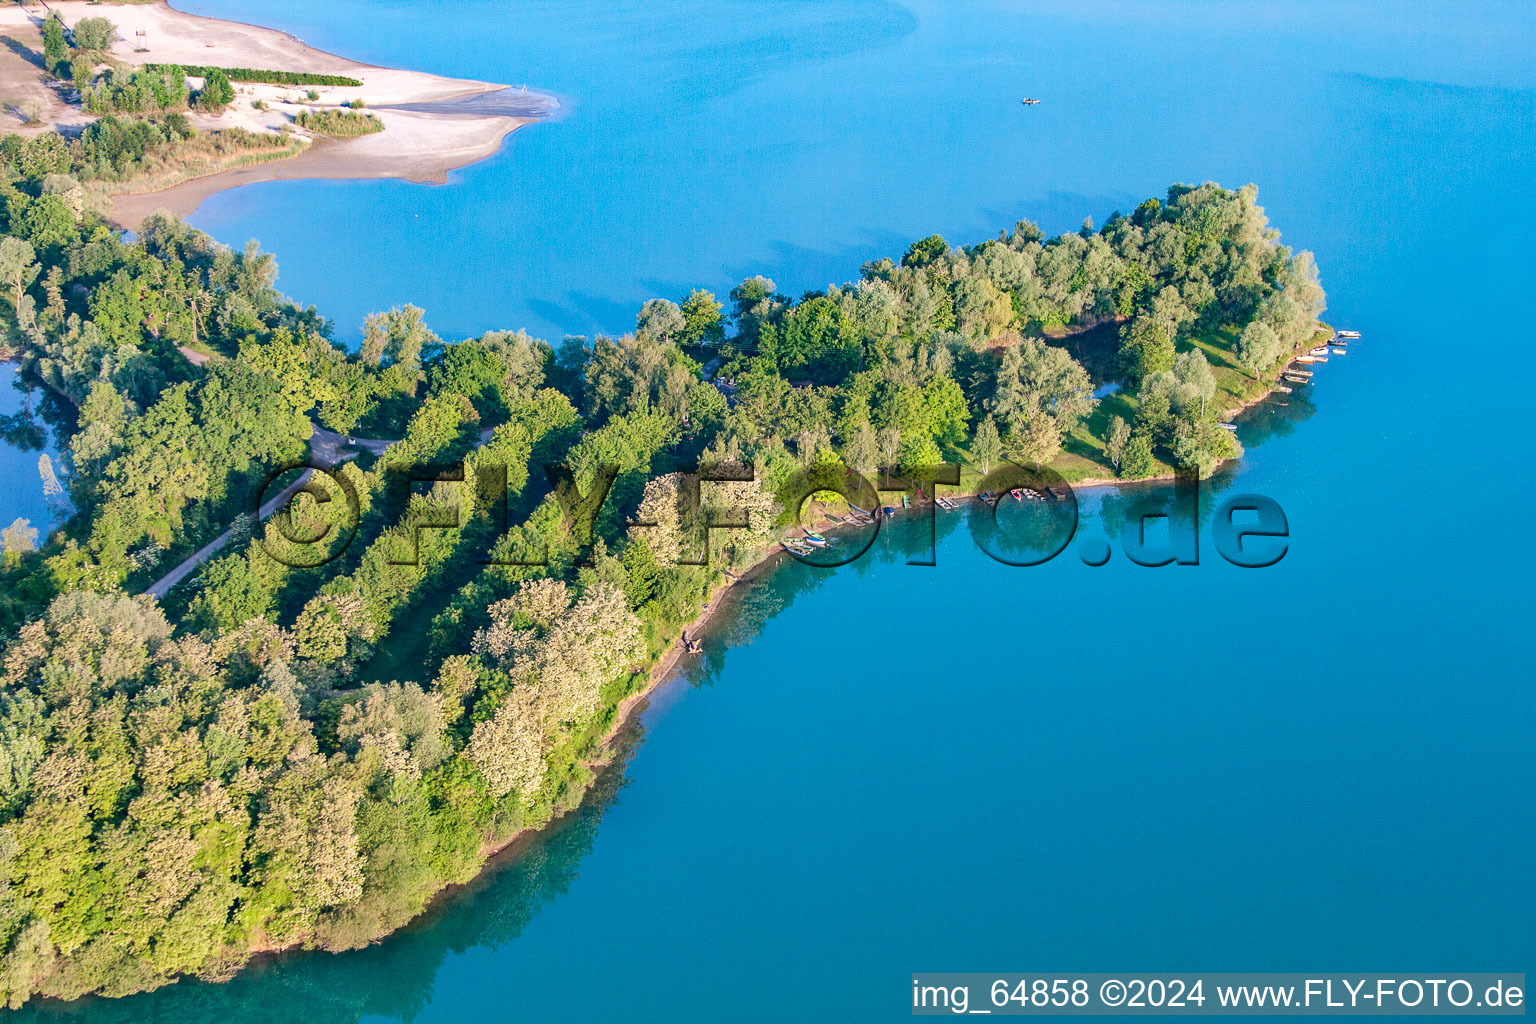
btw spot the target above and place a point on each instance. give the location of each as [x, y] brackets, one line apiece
[1258, 347]
[94, 35]
[1041, 394]
[296, 748]
[1116, 441]
[339, 123]
[702, 322]
[987, 445]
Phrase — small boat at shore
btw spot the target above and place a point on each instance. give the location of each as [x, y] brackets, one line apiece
[1306, 359]
[816, 539]
[1347, 334]
[906, 502]
[1341, 351]
[889, 510]
[1282, 389]
[1058, 493]
[1018, 495]
[858, 511]
[1320, 350]
[1228, 426]
[1299, 373]
[1295, 380]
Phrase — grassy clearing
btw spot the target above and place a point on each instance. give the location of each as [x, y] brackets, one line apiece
[204, 154]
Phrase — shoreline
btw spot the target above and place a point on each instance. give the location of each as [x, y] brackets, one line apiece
[433, 124]
[659, 673]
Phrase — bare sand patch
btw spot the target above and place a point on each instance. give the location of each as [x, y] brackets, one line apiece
[460, 125]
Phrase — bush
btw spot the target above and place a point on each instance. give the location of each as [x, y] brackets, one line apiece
[216, 93]
[141, 91]
[340, 123]
[94, 34]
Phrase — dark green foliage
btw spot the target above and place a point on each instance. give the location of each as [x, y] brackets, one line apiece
[216, 93]
[266, 77]
[55, 49]
[143, 90]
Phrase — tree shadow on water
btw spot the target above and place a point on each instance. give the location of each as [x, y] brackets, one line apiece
[395, 978]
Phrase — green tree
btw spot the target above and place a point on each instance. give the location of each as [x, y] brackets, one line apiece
[703, 323]
[1137, 461]
[55, 49]
[94, 35]
[924, 252]
[1258, 347]
[987, 445]
[18, 268]
[1116, 440]
[216, 93]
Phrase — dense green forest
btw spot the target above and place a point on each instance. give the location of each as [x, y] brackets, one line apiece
[297, 749]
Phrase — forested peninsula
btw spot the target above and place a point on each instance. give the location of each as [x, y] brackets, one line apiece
[277, 756]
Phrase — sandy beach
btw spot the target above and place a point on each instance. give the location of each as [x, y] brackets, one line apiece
[432, 124]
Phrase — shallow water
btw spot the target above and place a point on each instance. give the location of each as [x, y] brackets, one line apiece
[26, 436]
[887, 768]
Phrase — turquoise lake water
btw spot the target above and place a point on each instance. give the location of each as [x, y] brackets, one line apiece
[1324, 765]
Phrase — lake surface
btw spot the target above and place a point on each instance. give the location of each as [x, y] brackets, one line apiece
[1323, 765]
[25, 437]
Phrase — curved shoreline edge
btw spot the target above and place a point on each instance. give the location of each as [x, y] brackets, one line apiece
[433, 124]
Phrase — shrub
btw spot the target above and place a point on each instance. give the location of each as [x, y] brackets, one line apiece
[340, 123]
[267, 77]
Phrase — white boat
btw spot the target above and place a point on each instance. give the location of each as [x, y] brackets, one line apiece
[1228, 426]
[1348, 334]
[1340, 351]
[1321, 350]
[1305, 359]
